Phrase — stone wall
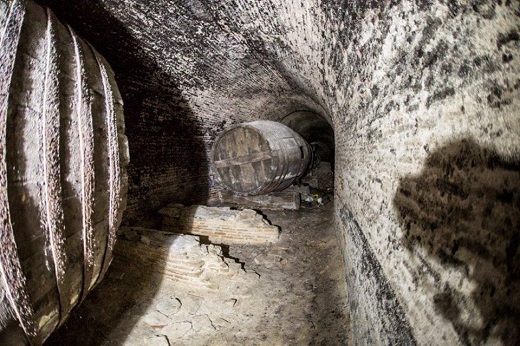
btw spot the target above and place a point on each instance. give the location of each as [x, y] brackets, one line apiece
[428, 167]
[424, 100]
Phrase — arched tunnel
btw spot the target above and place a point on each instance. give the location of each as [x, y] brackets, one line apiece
[414, 103]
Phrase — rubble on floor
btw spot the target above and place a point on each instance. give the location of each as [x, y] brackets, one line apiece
[175, 257]
[291, 292]
[221, 225]
[320, 177]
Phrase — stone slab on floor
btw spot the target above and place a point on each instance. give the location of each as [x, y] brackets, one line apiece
[292, 293]
[222, 225]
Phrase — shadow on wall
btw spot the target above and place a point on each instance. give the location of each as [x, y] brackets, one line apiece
[168, 160]
[463, 213]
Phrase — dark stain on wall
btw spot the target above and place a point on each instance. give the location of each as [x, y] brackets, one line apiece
[376, 314]
[463, 212]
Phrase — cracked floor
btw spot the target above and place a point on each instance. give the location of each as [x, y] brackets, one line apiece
[289, 293]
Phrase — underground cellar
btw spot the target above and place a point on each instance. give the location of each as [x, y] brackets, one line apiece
[414, 104]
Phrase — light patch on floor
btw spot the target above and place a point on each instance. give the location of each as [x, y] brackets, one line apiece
[291, 292]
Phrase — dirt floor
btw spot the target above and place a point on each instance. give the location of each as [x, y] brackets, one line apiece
[288, 293]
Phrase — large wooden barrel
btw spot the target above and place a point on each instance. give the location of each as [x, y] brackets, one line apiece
[259, 157]
[63, 183]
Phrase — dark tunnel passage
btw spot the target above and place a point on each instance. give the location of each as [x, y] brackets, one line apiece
[414, 104]
[316, 130]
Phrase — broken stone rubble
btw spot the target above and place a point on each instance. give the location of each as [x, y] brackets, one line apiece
[181, 257]
[294, 301]
[176, 257]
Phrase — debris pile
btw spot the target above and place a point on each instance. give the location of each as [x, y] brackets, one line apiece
[176, 257]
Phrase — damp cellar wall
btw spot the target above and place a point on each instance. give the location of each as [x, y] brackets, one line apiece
[423, 98]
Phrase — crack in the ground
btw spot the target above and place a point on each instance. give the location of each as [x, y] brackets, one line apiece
[211, 322]
[165, 337]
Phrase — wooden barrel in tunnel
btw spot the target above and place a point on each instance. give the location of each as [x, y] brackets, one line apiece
[259, 157]
[63, 183]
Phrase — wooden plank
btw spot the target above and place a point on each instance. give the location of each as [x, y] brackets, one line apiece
[116, 185]
[100, 193]
[52, 189]
[26, 158]
[86, 152]
[289, 200]
[11, 332]
[70, 166]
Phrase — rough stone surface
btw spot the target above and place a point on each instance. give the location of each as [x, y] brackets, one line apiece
[221, 225]
[424, 101]
[180, 258]
[299, 298]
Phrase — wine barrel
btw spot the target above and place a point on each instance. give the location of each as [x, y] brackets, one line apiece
[259, 157]
[63, 155]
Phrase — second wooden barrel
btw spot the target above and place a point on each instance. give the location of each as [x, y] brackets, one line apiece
[259, 157]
